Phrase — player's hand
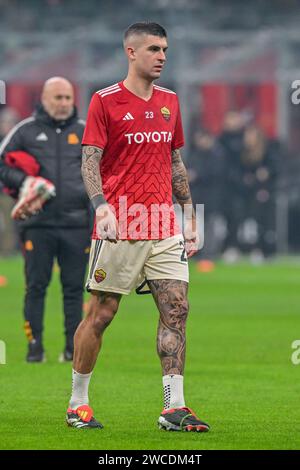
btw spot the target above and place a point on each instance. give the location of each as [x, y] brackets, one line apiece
[34, 192]
[191, 237]
[106, 223]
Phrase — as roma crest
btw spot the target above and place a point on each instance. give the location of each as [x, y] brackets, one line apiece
[166, 113]
[99, 275]
[73, 139]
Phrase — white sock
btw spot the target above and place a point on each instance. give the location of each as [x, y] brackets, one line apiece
[173, 391]
[80, 389]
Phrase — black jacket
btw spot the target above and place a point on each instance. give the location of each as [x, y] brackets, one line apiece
[56, 145]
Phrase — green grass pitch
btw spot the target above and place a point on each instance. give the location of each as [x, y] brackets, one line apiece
[239, 375]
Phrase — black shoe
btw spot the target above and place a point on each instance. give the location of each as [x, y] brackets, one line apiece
[82, 417]
[66, 356]
[181, 419]
[35, 352]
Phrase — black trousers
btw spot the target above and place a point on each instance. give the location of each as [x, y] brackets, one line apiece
[41, 246]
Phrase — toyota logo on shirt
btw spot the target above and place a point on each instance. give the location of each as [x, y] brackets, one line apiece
[155, 137]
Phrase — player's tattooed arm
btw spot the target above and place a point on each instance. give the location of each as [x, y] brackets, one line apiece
[171, 299]
[180, 183]
[182, 193]
[106, 223]
[91, 157]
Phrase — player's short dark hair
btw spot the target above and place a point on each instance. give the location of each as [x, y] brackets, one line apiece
[145, 27]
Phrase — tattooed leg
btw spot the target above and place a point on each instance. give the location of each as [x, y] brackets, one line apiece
[88, 337]
[171, 299]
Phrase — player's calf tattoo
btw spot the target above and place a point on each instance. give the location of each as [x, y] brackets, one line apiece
[171, 299]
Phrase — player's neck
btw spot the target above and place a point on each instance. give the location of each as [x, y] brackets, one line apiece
[139, 86]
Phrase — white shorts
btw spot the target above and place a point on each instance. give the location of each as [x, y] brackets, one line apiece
[128, 264]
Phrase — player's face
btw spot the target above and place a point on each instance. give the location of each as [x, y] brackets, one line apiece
[150, 56]
[58, 101]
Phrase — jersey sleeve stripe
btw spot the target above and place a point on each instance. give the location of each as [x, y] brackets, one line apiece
[164, 89]
[108, 88]
[9, 136]
[109, 92]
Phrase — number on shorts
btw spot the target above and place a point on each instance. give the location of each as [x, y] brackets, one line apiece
[183, 254]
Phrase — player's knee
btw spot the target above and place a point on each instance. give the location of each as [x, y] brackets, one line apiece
[180, 310]
[102, 315]
[101, 321]
[112, 304]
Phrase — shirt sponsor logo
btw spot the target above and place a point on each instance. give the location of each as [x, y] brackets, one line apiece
[156, 137]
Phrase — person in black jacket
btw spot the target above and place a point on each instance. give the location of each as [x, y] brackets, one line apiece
[52, 135]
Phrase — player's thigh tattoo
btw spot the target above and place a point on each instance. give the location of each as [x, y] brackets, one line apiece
[107, 296]
[171, 299]
[103, 297]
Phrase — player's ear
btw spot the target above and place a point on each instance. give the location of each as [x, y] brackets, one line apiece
[130, 52]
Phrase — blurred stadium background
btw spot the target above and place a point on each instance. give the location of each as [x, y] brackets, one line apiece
[232, 64]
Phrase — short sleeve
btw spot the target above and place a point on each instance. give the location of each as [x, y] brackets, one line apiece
[95, 132]
[178, 137]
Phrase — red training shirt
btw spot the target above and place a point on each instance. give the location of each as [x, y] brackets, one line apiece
[137, 137]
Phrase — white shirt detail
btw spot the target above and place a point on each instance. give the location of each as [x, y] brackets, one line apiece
[128, 117]
[107, 88]
[109, 92]
[159, 88]
[42, 137]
